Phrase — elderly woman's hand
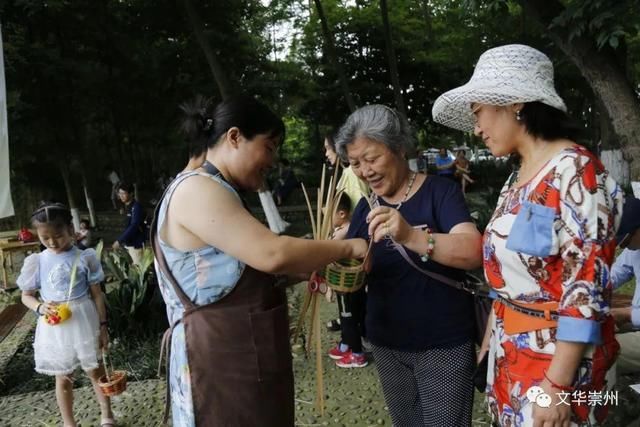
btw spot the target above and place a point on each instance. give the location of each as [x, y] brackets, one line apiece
[386, 221]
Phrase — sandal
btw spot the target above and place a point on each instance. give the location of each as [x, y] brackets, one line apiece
[110, 422]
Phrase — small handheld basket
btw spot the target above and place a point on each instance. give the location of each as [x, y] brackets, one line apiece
[346, 275]
[112, 384]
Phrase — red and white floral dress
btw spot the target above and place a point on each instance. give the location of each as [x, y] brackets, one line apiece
[552, 239]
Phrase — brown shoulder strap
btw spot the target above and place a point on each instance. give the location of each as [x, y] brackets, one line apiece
[159, 255]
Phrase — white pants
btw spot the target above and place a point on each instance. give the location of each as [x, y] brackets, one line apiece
[135, 254]
[629, 358]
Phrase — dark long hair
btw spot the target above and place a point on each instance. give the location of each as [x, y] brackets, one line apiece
[546, 122]
[251, 116]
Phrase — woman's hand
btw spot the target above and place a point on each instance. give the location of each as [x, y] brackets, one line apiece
[358, 248]
[385, 221]
[558, 411]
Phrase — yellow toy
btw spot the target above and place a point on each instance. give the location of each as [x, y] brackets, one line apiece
[62, 311]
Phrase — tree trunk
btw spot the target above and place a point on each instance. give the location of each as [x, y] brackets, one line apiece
[224, 84]
[66, 178]
[88, 200]
[425, 8]
[605, 76]
[391, 55]
[330, 48]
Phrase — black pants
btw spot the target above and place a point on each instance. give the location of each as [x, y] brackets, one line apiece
[430, 388]
[351, 307]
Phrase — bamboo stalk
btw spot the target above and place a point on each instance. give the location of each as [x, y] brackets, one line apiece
[320, 201]
[319, 376]
[301, 316]
[314, 314]
[321, 224]
[313, 225]
[325, 232]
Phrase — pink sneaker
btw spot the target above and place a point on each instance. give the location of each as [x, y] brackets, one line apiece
[336, 354]
[352, 361]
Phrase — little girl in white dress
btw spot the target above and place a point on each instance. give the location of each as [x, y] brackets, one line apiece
[61, 346]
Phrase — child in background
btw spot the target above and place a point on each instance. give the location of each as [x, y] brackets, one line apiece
[625, 268]
[348, 353]
[59, 349]
[462, 170]
[83, 236]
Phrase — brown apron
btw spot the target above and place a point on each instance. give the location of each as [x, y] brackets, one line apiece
[238, 352]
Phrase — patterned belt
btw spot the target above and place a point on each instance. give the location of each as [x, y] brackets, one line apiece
[541, 314]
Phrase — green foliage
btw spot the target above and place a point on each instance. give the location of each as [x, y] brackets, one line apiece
[95, 84]
[482, 205]
[297, 146]
[607, 21]
[126, 300]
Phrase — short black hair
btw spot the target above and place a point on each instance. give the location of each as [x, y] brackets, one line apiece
[52, 213]
[548, 123]
[126, 187]
[85, 222]
[344, 203]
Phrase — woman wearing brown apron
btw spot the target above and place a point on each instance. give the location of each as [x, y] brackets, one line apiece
[229, 362]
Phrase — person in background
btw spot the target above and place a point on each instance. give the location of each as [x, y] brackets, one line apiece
[421, 330]
[462, 170]
[548, 247]
[355, 189]
[625, 268]
[84, 239]
[114, 179]
[286, 182]
[445, 165]
[349, 182]
[351, 306]
[133, 236]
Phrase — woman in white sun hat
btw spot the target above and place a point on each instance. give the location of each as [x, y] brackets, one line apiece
[547, 249]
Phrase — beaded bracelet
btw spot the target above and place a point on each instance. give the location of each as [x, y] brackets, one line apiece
[557, 386]
[431, 244]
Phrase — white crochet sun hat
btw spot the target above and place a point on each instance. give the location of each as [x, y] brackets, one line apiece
[503, 75]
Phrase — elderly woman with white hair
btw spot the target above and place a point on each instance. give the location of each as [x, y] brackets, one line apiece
[421, 329]
[547, 249]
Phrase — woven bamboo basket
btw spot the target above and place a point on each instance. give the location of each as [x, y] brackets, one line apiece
[114, 384]
[346, 275]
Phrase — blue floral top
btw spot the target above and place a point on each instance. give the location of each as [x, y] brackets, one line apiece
[206, 275]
